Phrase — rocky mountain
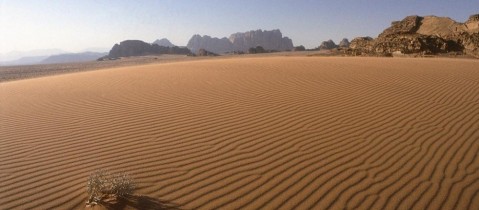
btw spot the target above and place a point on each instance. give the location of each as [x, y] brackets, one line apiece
[138, 48]
[328, 45]
[29, 60]
[163, 42]
[423, 36]
[73, 57]
[344, 43]
[269, 40]
[211, 44]
[28, 56]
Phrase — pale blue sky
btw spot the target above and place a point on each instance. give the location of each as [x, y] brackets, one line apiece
[74, 25]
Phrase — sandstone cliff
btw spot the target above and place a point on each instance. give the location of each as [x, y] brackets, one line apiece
[212, 44]
[423, 35]
[269, 40]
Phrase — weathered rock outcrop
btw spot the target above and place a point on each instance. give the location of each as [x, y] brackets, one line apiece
[362, 45]
[344, 43]
[269, 40]
[408, 25]
[423, 36]
[138, 48]
[211, 44]
[328, 45]
[163, 42]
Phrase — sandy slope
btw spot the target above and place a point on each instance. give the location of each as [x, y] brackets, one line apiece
[289, 132]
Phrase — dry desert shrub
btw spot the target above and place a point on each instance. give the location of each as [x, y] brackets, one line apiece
[101, 184]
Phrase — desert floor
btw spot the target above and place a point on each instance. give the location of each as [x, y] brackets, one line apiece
[249, 133]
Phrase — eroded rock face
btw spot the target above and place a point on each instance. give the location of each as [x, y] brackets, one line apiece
[408, 25]
[328, 45]
[208, 43]
[470, 43]
[423, 35]
[411, 43]
[130, 48]
[473, 23]
[362, 45]
[270, 40]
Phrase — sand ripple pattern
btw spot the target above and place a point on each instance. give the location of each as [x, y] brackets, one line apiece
[250, 133]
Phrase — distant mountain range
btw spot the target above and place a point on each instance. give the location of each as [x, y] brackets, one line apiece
[413, 35]
[28, 55]
[58, 58]
[73, 57]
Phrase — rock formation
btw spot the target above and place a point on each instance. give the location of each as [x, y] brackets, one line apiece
[269, 40]
[344, 43]
[423, 36]
[299, 48]
[208, 43]
[362, 45]
[328, 45]
[138, 48]
[163, 42]
[203, 52]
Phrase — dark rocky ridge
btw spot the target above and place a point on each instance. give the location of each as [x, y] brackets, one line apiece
[423, 36]
[138, 48]
[270, 40]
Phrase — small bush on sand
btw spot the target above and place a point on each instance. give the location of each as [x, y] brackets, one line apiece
[102, 184]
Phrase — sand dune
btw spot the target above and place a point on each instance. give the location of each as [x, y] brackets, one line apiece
[249, 133]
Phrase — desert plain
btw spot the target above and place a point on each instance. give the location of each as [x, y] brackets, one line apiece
[277, 132]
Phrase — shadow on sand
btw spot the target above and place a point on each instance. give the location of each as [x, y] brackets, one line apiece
[139, 202]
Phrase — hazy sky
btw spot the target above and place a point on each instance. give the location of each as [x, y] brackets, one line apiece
[75, 25]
